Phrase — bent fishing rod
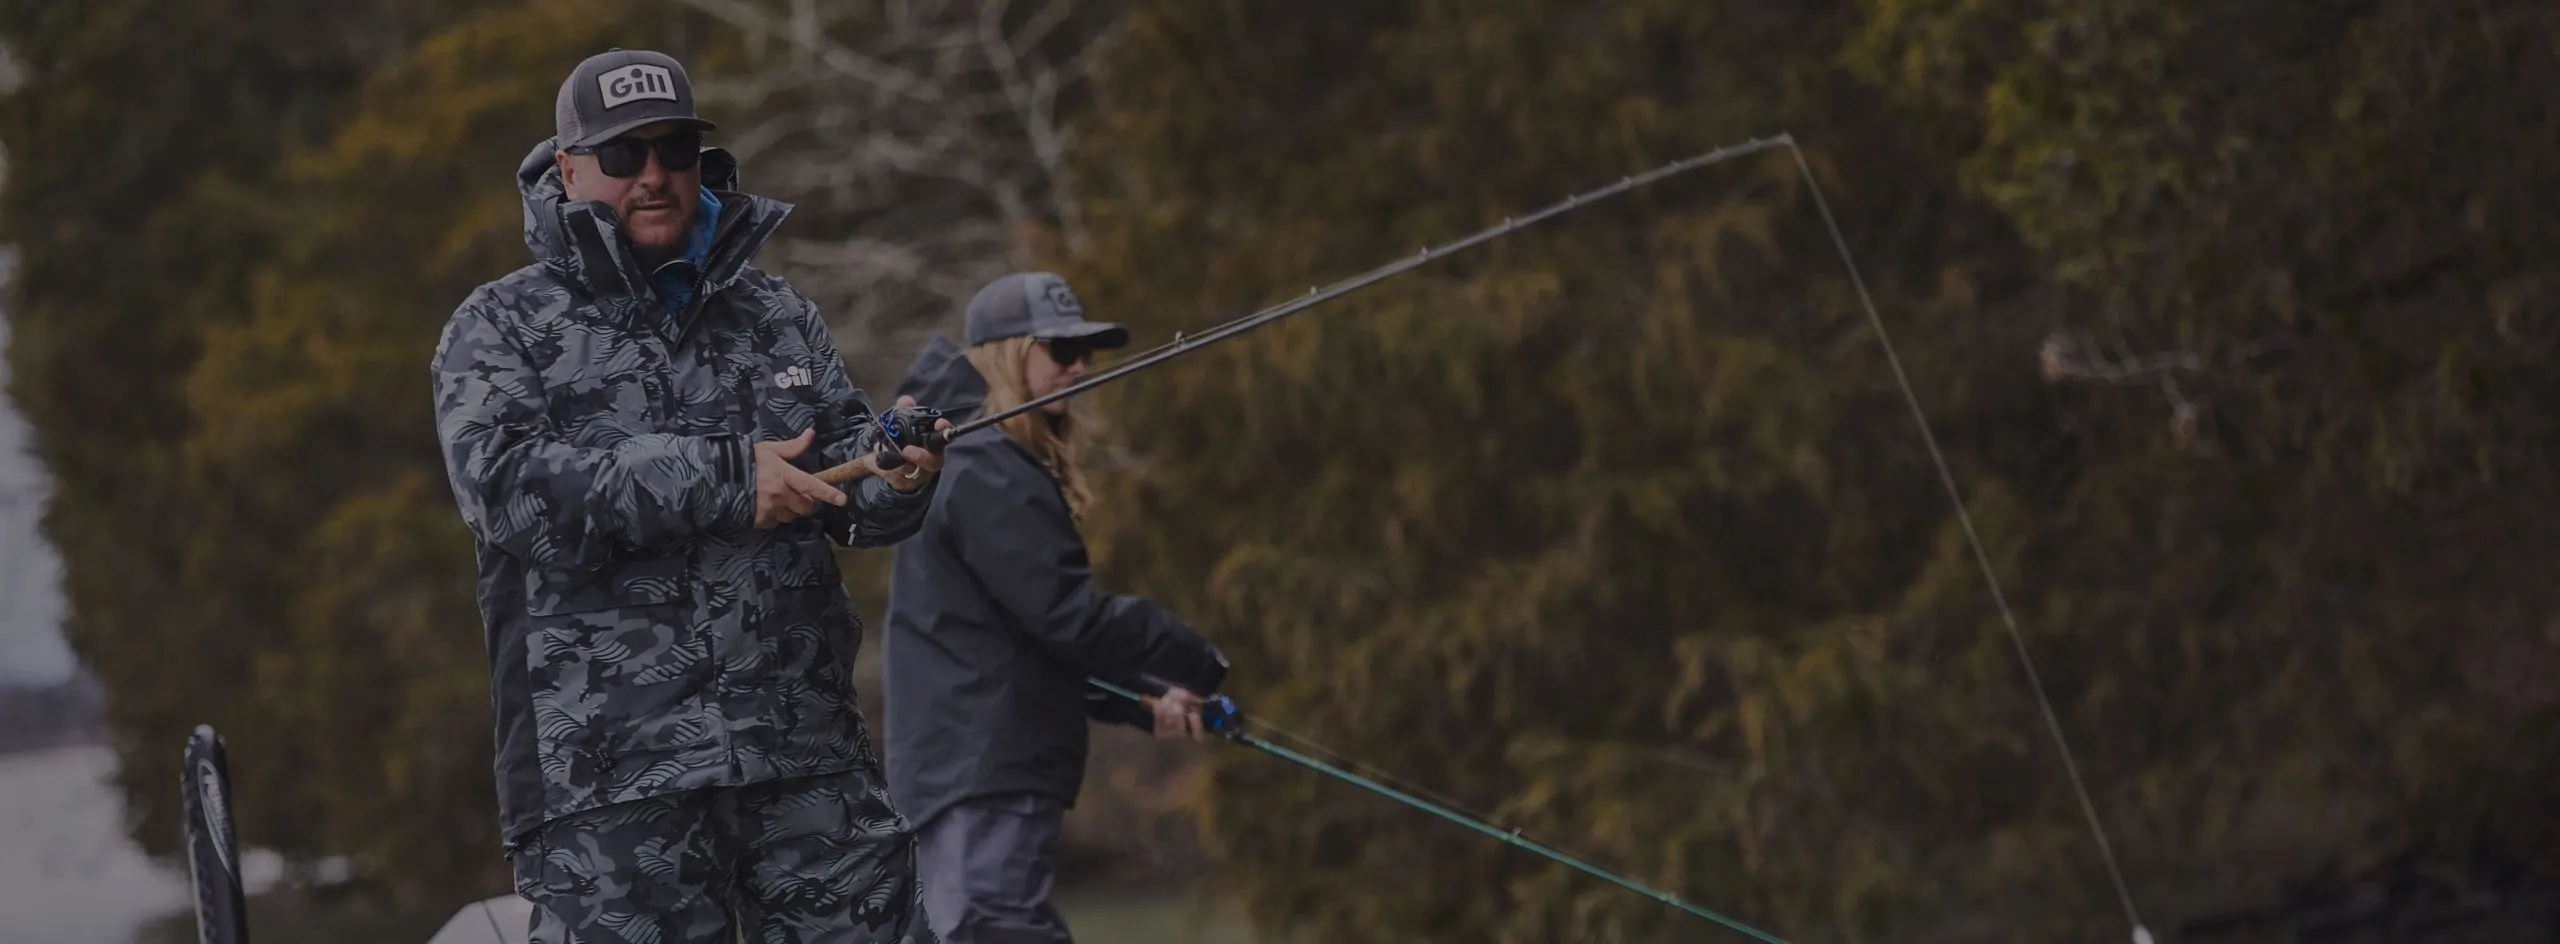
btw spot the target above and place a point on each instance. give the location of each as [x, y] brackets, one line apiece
[915, 426]
[1219, 714]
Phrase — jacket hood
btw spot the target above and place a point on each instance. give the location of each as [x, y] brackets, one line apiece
[582, 240]
[538, 183]
[943, 379]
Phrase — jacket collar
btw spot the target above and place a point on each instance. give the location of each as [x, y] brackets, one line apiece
[942, 377]
[582, 242]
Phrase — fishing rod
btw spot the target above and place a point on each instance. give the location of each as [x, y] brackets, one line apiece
[915, 426]
[1221, 716]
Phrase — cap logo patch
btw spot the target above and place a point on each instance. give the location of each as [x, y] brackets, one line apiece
[1062, 301]
[635, 82]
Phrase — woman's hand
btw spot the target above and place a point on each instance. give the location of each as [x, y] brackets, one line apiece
[921, 464]
[1178, 713]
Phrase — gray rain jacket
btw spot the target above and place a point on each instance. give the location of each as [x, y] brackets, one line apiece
[995, 621]
[644, 637]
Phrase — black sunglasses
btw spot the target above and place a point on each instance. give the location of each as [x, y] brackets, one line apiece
[1067, 351]
[626, 156]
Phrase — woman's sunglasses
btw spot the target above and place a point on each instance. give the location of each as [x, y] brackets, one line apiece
[1067, 351]
[626, 156]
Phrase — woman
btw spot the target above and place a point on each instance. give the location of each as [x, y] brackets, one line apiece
[995, 623]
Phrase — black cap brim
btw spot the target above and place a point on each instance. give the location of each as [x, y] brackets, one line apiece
[1104, 335]
[615, 131]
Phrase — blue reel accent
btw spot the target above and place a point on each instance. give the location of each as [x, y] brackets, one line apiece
[912, 426]
[1221, 715]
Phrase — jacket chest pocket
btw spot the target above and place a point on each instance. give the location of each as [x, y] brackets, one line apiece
[605, 386]
[601, 411]
[783, 385]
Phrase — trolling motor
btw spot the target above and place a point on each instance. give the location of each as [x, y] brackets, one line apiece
[213, 849]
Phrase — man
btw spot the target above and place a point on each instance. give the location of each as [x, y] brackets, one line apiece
[630, 425]
[995, 622]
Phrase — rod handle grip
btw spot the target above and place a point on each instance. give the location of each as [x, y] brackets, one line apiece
[851, 472]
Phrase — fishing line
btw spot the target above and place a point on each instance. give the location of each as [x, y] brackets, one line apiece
[1947, 478]
[918, 429]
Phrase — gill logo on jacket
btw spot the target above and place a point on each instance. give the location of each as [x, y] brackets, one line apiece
[791, 377]
[633, 83]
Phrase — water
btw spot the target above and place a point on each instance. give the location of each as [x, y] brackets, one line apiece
[69, 876]
[67, 873]
[31, 646]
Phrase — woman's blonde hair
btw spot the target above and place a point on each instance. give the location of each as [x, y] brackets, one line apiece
[1004, 364]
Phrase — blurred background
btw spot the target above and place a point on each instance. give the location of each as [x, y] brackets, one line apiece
[2236, 319]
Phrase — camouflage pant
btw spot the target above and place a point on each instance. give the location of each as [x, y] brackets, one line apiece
[801, 861]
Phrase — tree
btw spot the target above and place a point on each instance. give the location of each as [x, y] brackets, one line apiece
[925, 145]
[1593, 460]
[928, 146]
[311, 592]
[143, 146]
[2288, 251]
[2229, 318]
[1622, 532]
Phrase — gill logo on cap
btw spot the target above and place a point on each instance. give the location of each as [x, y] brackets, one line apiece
[1063, 301]
[635, 82]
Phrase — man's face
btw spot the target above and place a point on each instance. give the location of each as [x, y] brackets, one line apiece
[655, 204]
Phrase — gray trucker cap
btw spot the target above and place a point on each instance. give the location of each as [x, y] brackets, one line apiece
[615, 91]
[1037, 304]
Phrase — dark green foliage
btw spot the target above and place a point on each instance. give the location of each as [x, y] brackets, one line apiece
[144, 144]
[226, 368]
[2232, 319]
[2226, 318]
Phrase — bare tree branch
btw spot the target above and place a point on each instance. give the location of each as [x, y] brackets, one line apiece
[926, 146]
[746, 16]
[2063, 357]
[2066, 357]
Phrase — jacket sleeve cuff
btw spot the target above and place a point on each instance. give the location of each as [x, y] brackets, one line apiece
[730, 492]
[877, 515]
[891, 507]
[1191, 661]
[1112, 709]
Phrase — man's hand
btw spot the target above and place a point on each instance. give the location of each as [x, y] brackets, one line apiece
[783, 492]
[921, 465]
[1177, 714]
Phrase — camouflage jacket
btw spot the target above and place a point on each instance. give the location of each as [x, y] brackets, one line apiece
[644, 637]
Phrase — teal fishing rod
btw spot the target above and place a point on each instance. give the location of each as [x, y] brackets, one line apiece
[916, 426]
[1220, 715]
